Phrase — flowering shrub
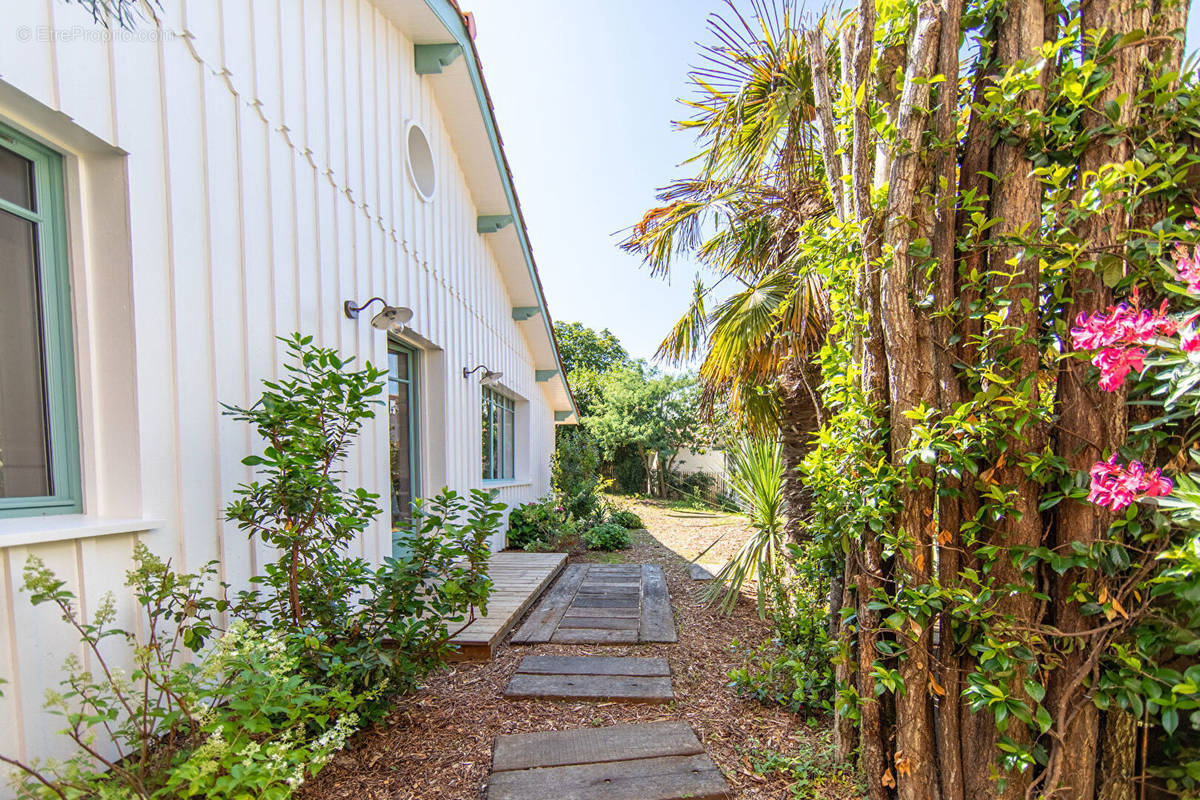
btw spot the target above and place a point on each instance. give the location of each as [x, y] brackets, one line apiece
[235, 721]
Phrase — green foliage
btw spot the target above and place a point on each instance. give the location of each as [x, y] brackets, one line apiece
[606, 536]
[756, 477]
[575, 474]
[532, 525]
[297, 505]
[374, 631]
[626, 519]
[235, 720]
[813, 767]
[794, 668]
[587, 355]
[583, 348]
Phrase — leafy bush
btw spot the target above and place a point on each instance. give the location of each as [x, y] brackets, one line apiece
[532, 525]
[347, 623]
[408, 609]
[575, 474]
[626, 519]
[794, 669]
[235, 721]
[297, 506]
[606, 536]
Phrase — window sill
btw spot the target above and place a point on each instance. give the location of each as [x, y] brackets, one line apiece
[21, 531]
[507, 483]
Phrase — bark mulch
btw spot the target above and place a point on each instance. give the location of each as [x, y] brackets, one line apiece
[437, 743]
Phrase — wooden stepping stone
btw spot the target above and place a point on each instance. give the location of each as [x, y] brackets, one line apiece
[603, 604]
[650, 761]
[637, 680]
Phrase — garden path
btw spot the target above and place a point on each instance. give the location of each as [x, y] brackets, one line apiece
[602, 604]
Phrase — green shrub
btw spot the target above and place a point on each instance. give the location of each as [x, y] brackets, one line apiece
[576, 476]
[626, 519]
[368, 630]
[532, 525]
[606, 536]
[234, 720]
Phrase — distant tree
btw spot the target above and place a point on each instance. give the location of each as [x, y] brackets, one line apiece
[587, 356]
[582, 347]
[657, 415]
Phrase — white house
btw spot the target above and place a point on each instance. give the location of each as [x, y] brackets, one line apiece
[174, 197]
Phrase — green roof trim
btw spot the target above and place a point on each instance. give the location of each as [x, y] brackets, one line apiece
[543, 375]
[562, 416]
[493, 223]
[522, 313]
[450, 17]
[431, 59]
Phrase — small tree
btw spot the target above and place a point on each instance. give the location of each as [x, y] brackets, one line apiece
[657, 415]
[298, 506]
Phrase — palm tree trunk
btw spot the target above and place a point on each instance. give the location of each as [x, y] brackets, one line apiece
[799, 418]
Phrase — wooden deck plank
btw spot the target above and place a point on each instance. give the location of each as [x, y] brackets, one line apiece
[593, 636]
[658, 621]
[610, 623]
[594, 745]
[518, 580]
[595, 665]
[670, 778]
[540, 625]
[591, 687]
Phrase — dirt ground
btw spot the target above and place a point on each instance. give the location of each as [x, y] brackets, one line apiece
[437, 743]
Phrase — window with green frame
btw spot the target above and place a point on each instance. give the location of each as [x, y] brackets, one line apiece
[39, 439]
[499, 436]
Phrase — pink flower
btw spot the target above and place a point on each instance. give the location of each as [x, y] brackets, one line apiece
[1190, 342]
[1121, 324]
[1115, 363]
[1116, 486]
[1187, 264]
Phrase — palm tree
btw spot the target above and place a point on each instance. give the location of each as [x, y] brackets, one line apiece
[760, 182]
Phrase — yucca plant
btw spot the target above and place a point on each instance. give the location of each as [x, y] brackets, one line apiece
[756, 473]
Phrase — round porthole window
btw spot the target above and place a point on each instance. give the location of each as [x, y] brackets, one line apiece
[420, 162]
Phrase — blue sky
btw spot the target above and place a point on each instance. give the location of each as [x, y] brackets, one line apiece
[585, 93]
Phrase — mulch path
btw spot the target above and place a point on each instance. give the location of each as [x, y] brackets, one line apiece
[437, 743]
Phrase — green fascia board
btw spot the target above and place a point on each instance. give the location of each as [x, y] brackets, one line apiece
[543, 375]
[453, 23]
[493, 223]
[562, 416]
[431, 59]
[522, 313]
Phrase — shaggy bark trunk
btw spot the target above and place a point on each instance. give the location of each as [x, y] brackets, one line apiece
[911, 384]
[799, 418]
[1119, 759]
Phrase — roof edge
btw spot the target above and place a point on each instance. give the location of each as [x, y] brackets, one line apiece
[451, 17]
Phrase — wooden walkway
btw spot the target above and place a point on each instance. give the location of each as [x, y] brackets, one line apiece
[518, 579]
[650, 761]
[603, 604]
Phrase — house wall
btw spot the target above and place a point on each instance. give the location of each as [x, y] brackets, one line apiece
[233, 177]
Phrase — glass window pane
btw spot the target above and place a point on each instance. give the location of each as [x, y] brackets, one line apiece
[510, 448]
[400, 443]
[24, 415]
[487, 436]
[16, 179]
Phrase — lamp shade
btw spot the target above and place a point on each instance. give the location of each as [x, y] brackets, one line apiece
[392, 317]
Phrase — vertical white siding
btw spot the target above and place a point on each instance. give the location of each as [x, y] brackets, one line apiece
[266, 184]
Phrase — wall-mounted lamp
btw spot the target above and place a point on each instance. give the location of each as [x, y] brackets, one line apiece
[488, 378]
[389, 318]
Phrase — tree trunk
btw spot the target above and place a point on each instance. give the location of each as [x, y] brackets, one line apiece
[1119, 759]
[799, 420]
